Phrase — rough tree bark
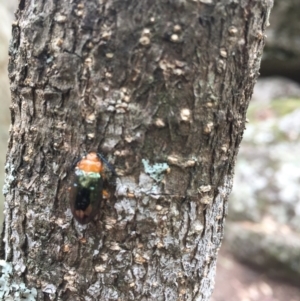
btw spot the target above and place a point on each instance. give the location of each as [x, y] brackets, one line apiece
[161, 89]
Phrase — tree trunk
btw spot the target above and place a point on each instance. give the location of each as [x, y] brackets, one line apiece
[160, 89]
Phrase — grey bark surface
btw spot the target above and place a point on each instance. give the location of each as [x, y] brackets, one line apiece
[161, 89]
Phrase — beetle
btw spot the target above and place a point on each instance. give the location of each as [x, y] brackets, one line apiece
[87, 187]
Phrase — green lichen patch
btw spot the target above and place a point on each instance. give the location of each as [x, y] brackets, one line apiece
[155, 171]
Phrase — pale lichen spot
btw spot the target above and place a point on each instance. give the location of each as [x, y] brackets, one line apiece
[59, 42]
[163, 65]
[100, 268]
[178, 71]
[115, 246]
[159, 123]
[224, 148]
[223, 53]
[104, 256]
[106, 35]
[206, 200]
[221, 66]
[205, 188]
[177, 28]
[108, 74]
[91, 118]
[90, 45]
[232, 30]
[66, 249]
[110, 109]
[174, 37]
[241, 42]
[190, 163]
[88, 61]
[139, 259]
[198, 226]
[26, 158]
[160, 245]
[122, 105]
[208, 127]
[185, 114]
[128, 139]
[146, 32]
[158, 207]
[131, 195]
[109, 55]
[180, 64]
[79, 13]
[110, 221]
[60, 19]
[144, 40]
[131, 284]
[259, 35]
[172, 159]
[120, 111]
[82, 240]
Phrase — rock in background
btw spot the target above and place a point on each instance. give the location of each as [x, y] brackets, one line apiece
[265, 203]
[282, 51]
[264, 207]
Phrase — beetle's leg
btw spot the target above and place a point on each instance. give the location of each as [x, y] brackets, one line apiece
[111, 168]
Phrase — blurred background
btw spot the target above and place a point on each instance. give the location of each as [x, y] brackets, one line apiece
[260, 256]
[6, 17]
